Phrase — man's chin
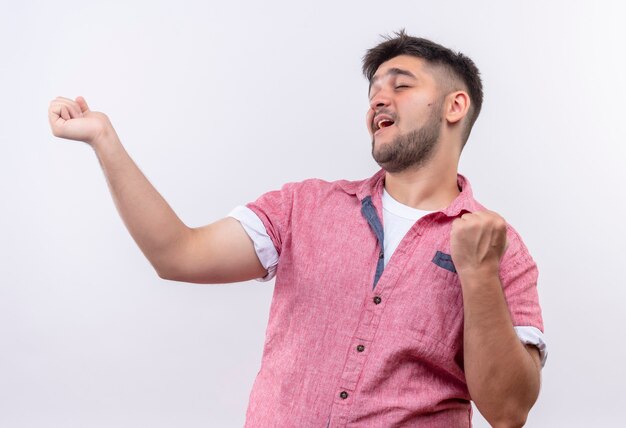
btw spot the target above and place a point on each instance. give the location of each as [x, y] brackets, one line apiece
[384, 162]
[382, 139]
[379, 146]
[391, 163]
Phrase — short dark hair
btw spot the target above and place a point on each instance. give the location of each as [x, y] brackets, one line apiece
[456, 64]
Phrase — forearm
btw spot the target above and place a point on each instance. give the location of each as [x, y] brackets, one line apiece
[152, 223]
[502, 377]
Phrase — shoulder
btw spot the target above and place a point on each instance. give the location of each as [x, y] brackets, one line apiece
[315, 187]
[517, 253]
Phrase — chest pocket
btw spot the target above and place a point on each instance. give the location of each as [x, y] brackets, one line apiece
[437, 315]
[444, 261]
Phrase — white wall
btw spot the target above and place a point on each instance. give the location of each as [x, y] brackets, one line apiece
[219, 102]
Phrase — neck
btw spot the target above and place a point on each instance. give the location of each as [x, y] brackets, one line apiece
[431, 187]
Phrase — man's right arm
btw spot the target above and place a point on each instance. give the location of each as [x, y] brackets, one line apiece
[220, 252]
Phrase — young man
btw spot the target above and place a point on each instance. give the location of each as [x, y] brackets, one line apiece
[399, 298]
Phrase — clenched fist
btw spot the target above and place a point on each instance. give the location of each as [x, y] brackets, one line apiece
[73, 120]
[477, 243]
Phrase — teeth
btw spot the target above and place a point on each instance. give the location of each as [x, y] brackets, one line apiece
[384, 122]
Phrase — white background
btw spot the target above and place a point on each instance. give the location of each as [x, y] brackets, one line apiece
[219, 102]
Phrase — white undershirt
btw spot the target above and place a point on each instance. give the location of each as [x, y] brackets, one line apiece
[397, 220]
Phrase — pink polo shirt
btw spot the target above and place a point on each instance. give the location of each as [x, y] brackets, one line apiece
[353, 343]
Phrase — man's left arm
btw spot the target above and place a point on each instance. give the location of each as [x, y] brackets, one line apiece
[503, 375]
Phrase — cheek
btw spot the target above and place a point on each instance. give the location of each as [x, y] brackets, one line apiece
[414, 114]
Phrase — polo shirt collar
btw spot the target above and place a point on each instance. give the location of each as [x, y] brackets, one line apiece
[464, 202]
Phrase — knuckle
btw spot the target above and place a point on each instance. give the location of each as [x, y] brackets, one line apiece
[500, 223]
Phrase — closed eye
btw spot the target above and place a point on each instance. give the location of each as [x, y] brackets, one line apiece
[402, 86]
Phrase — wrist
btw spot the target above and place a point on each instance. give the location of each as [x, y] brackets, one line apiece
[475, 275]
[105, 139]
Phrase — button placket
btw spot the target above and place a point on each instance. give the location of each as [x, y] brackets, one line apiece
[366, 329]
[354, 364]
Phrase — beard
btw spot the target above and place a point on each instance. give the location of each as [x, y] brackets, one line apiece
[413, 149]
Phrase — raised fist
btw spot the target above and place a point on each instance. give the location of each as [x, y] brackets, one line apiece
[74, 121]
[478, 242]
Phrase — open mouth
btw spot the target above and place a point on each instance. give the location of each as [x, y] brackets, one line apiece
[382, 124]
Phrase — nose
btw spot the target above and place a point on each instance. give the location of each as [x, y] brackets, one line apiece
[380, 99]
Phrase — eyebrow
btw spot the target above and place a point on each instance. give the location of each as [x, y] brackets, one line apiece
[392, 72]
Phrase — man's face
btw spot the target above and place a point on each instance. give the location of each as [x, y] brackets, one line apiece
[405, 114]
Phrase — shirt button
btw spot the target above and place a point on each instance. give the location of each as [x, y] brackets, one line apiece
[381, 255]
[343, 395]
[360, 348]
[377, 300]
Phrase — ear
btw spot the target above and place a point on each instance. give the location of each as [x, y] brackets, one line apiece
[457, 106]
